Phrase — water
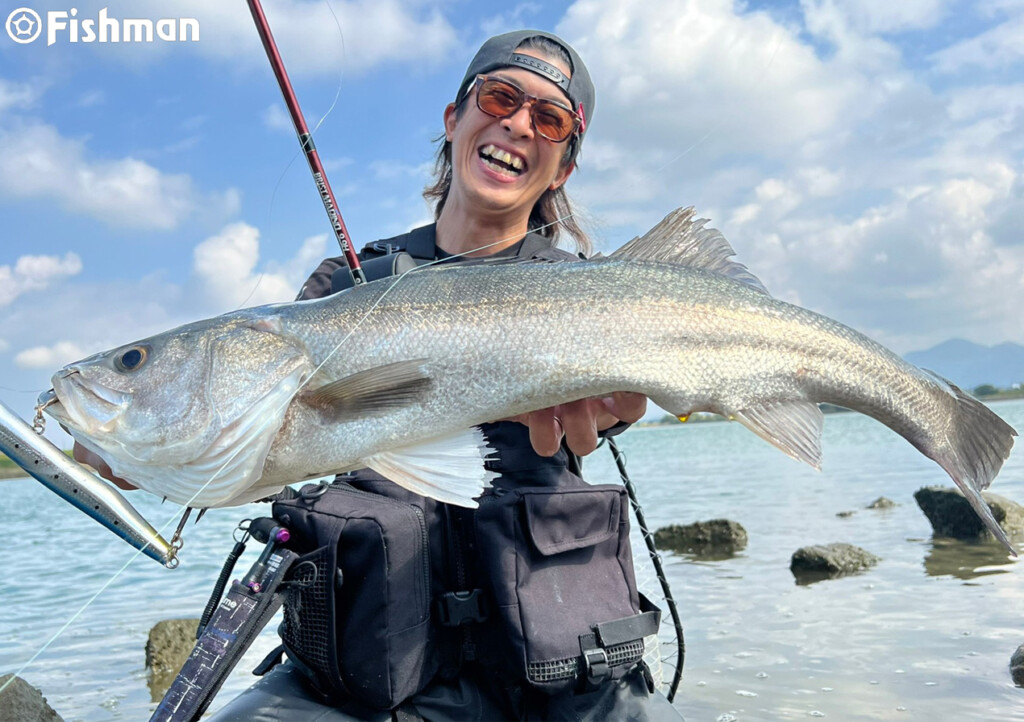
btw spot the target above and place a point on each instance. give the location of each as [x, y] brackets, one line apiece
[925, 635]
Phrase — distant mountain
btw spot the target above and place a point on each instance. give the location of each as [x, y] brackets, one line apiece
[969, 365]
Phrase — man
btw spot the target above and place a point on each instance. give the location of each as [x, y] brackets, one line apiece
[510, 143]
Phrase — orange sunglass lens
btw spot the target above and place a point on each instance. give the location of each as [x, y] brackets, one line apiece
[501, 100]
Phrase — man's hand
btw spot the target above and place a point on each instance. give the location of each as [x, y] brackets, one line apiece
[84, 456]
[580, 421]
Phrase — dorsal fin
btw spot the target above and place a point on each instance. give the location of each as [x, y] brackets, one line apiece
[680, 238]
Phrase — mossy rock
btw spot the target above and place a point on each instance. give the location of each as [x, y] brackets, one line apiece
[170, 643]
[951, 516]
[21, 702]
[716, 538]
[1017, 666]
[828, 561]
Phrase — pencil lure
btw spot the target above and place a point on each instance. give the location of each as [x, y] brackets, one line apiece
[79, 487]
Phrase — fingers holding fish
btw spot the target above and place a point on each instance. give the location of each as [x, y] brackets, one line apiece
[546, 430]
[580, 421]
[624, 406]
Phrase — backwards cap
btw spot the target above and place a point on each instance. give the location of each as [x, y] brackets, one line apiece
[500, 52]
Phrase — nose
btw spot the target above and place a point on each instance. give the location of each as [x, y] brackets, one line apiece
[520, 123]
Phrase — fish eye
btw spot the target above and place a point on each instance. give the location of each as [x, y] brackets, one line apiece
[132, 359]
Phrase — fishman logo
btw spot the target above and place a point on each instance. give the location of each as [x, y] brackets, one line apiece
[24, 25]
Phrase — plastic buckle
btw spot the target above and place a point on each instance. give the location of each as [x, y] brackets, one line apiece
[457, 608]
[595, 665]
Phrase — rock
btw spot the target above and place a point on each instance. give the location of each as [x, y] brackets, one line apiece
[22, 702]
[882, 503]
[169, 645]
[951, 516]
[1017, 666]
[845, 514]
[828, 561]
[717, 538]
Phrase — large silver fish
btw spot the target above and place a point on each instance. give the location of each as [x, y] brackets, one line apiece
[395, 375]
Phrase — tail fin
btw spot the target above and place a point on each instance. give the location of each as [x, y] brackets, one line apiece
[980, 444]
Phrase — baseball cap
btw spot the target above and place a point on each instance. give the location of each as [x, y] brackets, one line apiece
[500, 52]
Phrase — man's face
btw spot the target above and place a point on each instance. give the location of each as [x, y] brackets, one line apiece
[481, 178]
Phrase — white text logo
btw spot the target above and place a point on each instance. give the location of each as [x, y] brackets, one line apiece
[24, 25]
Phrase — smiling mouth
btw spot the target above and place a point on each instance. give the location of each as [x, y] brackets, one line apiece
[501, 161]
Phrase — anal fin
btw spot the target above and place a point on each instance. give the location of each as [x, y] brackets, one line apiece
[449, 469]
[792, 426]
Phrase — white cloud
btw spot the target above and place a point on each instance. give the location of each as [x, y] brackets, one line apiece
[372, 33]
[886, 16]
[112, 313]
[276, 118]
[50, 357]
[997, 47]
[385, 170]
[671, 71]
[520, 16]
[923, 262]
[34, 273]
[700, 101]
[91, 98]
[36, 161]
[17, 95]
[224, 266]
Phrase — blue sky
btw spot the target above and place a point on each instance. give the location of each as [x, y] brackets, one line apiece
[864, 157]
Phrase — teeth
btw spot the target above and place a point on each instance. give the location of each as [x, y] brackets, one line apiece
[502, 155]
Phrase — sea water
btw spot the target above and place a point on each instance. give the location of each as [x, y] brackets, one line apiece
[927, 634]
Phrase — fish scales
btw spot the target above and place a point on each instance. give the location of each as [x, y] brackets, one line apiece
[705, 343]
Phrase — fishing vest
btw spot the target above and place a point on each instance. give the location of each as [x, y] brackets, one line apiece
[391, 590]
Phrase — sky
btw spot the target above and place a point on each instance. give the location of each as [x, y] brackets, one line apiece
[865, 158]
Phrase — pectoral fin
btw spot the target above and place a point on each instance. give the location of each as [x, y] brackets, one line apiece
[792, 426]
[449, 469]
[383, 388]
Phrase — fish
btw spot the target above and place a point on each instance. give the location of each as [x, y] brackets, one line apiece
[397, 375]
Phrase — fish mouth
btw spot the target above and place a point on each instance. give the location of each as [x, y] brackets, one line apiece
[76, 403]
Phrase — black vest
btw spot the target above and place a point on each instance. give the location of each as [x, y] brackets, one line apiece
[535, 588]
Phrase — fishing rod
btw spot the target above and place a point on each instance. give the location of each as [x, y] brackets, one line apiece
[306, 141]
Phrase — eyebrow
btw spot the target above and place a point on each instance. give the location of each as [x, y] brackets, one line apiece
[562, 101]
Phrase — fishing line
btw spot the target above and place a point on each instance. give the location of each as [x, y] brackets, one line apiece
[73, 617]
[312, 133]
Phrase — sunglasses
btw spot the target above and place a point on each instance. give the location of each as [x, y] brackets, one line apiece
[502, 99]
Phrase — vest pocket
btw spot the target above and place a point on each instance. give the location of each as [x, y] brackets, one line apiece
[357, 616]
[558, 565]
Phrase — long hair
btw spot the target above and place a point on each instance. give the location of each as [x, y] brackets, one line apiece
[553, 211]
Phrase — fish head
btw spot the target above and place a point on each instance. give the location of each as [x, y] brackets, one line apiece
[184, 397]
